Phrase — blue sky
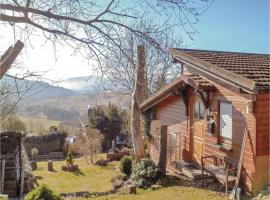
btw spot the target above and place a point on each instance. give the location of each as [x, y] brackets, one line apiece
[228, 25]
[234, 25]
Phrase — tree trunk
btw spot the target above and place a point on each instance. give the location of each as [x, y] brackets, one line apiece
[137, 98]
[9, 57]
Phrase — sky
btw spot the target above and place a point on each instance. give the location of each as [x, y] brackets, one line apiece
[228, 25]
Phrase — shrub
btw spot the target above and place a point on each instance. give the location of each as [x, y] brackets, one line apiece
[70, 158]
[122, 177]
[126, 165]
[41, 193]
[145, 173]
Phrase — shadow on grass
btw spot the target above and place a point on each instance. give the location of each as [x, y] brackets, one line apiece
[53, 170]
[39, 177]
[78, 173]
[170, 181]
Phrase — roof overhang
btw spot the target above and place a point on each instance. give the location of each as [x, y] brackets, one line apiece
[209, 69]
[170, 89]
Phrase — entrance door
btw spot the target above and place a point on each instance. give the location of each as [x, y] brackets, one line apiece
[198, 130]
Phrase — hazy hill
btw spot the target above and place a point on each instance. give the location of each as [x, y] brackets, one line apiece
[85, 84]
[38, 89]
[47, 104]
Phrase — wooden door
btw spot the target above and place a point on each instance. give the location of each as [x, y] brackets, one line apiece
[198, 131]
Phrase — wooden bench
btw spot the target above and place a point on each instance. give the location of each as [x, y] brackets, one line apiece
[223, 168]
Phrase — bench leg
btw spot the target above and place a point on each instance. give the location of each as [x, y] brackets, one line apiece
[202, 177]
[226, 182]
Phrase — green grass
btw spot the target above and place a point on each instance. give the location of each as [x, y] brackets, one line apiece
[94, 178]
[166, 193]
[90, 177]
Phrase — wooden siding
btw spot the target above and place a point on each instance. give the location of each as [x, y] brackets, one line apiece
[172, 112]
[241, 119]
[246, 113]
[263, 177]
[262, 114]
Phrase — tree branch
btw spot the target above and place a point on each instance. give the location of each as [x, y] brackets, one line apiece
[9, 57]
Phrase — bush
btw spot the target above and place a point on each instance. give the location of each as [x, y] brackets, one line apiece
[126, 165]
[145, 173]
[70, 159]
[41, 193]
[122, 177]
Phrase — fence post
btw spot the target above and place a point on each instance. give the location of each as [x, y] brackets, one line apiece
[163, 149]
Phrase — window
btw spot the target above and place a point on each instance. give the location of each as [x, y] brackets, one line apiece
[199, 110]
[225, 119]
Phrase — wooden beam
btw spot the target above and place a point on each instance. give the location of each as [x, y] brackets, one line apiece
[9, 57]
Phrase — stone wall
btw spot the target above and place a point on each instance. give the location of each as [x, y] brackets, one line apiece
[45, 143]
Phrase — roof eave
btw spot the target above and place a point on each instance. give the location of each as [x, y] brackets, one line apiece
[214, 70]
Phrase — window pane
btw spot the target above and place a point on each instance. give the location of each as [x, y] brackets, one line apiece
[196, 110]
[201, 111]
[226, 119]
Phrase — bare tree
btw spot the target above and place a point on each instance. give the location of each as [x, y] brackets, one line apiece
[89, 144]
[120, 68]
[14, 89]
[92, 27]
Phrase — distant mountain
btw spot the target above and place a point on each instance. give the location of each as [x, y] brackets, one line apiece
[83, 85]
[37, 89]
[65, 102]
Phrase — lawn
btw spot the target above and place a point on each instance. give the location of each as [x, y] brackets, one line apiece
[90, 177]
[94, 178]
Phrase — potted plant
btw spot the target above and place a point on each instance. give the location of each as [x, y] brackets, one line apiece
[70, 163]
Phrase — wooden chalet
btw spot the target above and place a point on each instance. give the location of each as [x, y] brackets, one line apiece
[219, 98]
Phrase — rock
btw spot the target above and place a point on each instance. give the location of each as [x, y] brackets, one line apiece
[128, 182]
[155, 187]
[102, 163]
[131, 189]
[50, 165]
[33, 165]
[70, 168]
[118, 184]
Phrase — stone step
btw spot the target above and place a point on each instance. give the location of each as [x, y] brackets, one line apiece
[8, 156]
[10, 175]
[190, 170]
[10, 163]
[10, 185]
[7, 148]
[11, 193]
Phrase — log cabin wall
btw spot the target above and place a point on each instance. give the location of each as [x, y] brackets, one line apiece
[241, 119]
[262, 112]
[262, 148]
[171, 112]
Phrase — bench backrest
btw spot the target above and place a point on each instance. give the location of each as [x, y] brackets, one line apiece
[226, 161]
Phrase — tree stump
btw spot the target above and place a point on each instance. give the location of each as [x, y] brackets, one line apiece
[132, 189]
[50, 165]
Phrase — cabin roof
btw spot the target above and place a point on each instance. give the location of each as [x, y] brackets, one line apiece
[194, 80]
[249, 70]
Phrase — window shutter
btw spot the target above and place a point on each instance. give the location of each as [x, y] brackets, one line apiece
[226, 119]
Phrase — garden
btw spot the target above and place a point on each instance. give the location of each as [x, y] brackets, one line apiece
[112, 180]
